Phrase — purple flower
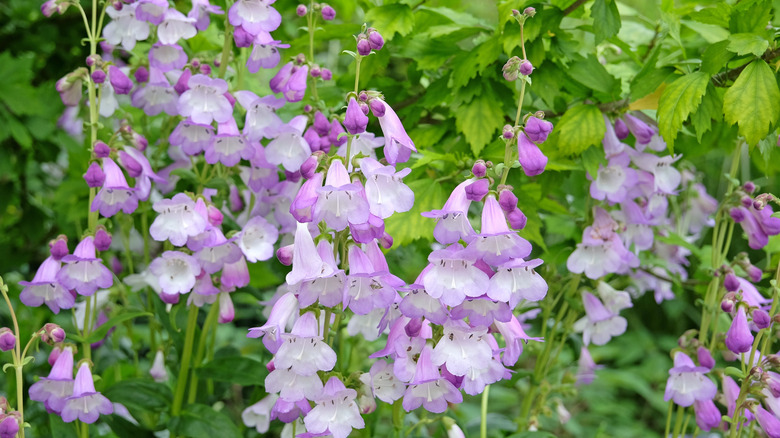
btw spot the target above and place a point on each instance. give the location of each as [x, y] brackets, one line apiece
[355, 121]
[707, 414]
[526, 67]
[614, 181]
[340, 200]
[288, 147]
[216, 252]
[768, 422]
[156, 96]
[336, 411]
[167, 57]
[83, 271]
[229, 146]
[256, 240]
[152, 11]
[158, 372]
[757, 224]
[175, 26]
[9, 425]
[45, 288]
[254, 16]
[119, 80]
[687, 382]
[398, 145]
[70, 87]
[739, 339]
[369, 284]
[258, 415]
[192, 137]
[601, 250]
[385, 190]
[537, 130]
[307, 264]
[375, 39]
[124, 28]
[265, 54]
[328, 13]
[205, 100]
[7, 339]
[281, 312]
[176, 272]
[94, 175]
[454, 275]
[227, 311]
[705, 358]
[236, 274]
[530, 156]
[177, 220]
[516, 280]
[599, 324]
[621, 130]
[201, 9]
[85, 404]
[586, 368]
[641, 130]
[611, 142]
[383, 383]
[428, 388]
[304, 351]
[496, 243]
[453, 224]
[261, 119]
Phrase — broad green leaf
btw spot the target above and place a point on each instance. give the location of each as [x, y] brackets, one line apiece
[112, 322]
[125, 429]
[391, 19]
[606, 19]
[650, 77]
[410, 226]
[744, 43]
[244, 371]
[471, 63]
[200, 421]
[711, 108]
[750, 16]
[679, 100]
[753, 102]
[718, 15]
[140, 395]
[479, 119]
[716, 56]
[580, 127]
[592, 158]
[592, 74]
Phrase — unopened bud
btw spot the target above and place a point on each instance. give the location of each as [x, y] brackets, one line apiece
[52, 333]
[477, 190]
[377, 107]
[141, 74]
[205, 69]
[301, 10]
[94, 176]
[101, 150]
[102, 239]
[526, 67]
[508, 132]
[7, 339]
[285, 255]
[730, 282]
[309, 167]
[363, 47]
[315, 71]
[749, 187]
[326, 74]
[58, 248]
[529, 11]
[215, 216]
[328, 13]
[479, 169]
[98, 76]
[761, 319]
[375, 39]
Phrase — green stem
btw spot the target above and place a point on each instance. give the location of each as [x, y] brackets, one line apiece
[358, 60]
[483, 413]
[509, 144]
[669, 420]
[208, 325]
[311, 21]
[398, 419]
[86, 346]
[17, 358]
[678, 422]
[181, 383]
[226, 46]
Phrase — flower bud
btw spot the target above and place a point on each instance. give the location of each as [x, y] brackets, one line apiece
[205, 69]
[301, 10]
[182, 84]
[705, 358]
[116, 266]
[507, 200]
[355, 120]
[138, 141]
[739, 339]
[366, 402]
[101, 150]
[58, 248]
[309, 167]
[479, 169]
[328, 13]
[754, 273]
[285, 255]
[508, 133]
[375, 39]
[737, 214]
[141, 74]
[215, 216]
[537, 130]
[9, 424]
[234, 199]
[529, 11]
[727, 305]
[377, 107]
[270, 366]
[7, 339]
[98, 76]
[315, 71]
[510, 69]
[386, 241]
[307, 108]
[48, 8]
[52, 333]
[413, 327]
[761, 319]
[531, 158]
[94, 176]
[195, 63]
[55, 353]
[363, 108]
[158, 371]
[93, 59]
[749, 187]
[363, 47]
[515, 12]
[621, 130]
[730, 282]
[102, 239]
[477, 190]
[326, 74]
[772, 382]
[517, 219]
[130, 164]
[242, 37]
[526, 67]
[292, 176]
[119, 81]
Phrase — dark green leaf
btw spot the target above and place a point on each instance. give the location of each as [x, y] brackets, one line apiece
[649, 78]
[471, 63]
[125, 429]
[606, 19]
[711, 108]
[750, 16]
[753, 102]
[240, 370]
[592, 74]
[200, 421]
[140, 395]
[678, 101]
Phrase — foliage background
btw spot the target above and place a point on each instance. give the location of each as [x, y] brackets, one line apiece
[441, 71]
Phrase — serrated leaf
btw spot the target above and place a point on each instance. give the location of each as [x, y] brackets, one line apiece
[410, 226]
[592, 74]
[750, 16]
[391, 19]
[479, 120]
[469, 64]
[711, 108]
[606, 19]
[718, 15]
[681, 98]
[753, 102]
[580, 127]
[715, 57]
[649, 78]
[744, 43]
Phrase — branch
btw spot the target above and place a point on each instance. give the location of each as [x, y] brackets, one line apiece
[720, 79]
[573, 7]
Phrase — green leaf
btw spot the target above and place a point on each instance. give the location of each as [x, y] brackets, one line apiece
[469, 64]
[532, 434]
[479, 119]
[580, 127]
[606, 19]
[592, 158]
[678, 101]
[201, 421]
[650, 77]
[101, 331]
[409, 226]
[711, 108]
[716, 56]
[592, 74]
[750, 16]
[734, 372]
[753, 102]
[241, 370]
[391, 19]
[744, 43]
[140, 395]
[718, 15]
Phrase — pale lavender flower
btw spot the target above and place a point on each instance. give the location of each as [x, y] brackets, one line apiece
[614, 181]
[288, 147]
[156, 96]
[383, 383]
[46, 289]
[515, 337]
[365, 144]
[707, 414]
[586, 367]
[385, 190]
[641, 130]
[201, 11]
[178, 220]
[303, 350]
[176, 272]
[83, 271]
[54, 389]
[158, 372]
[515, 281]
[254, 16]
[282, 312]
[175, 26]
[217, 251]
[340, 200]
[205, 100]
[687, 382]
[454, 276]
[328, 289]
[152, 11]
[191, 137]
[307, 264]
[368, 287]
[261, 119]
[611, 142]
[599, 324]
[258, 415]
[429, 389]
[115, 195]
[167, 57]
[398, 145]
[453, 224]
[124, 28]
[229, 146]
[265, 53]
[85, 404]
[496, 243]
[336, 411]
[257, 239]
[768, 421]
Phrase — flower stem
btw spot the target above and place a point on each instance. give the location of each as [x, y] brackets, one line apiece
[398, 419]
[669, 419]
[678, 422]
[483, 412]
[311, 21]
[211, 321]
[17, 358]
[226, 45]
[186, 355]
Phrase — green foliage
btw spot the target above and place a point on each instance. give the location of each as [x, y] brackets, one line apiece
[681, 98]
[606, 19]
[753, 102]
[580, 127]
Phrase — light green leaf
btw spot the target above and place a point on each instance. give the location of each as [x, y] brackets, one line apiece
[606, 19]
[744, 43]
[711, 108]
[718, 15]
[469, 64]
[715, 57]
[681, 98]
[391, 19]
[592, 74]
[410, 226]
[753, 102]
[479, 119]
[580, 127]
